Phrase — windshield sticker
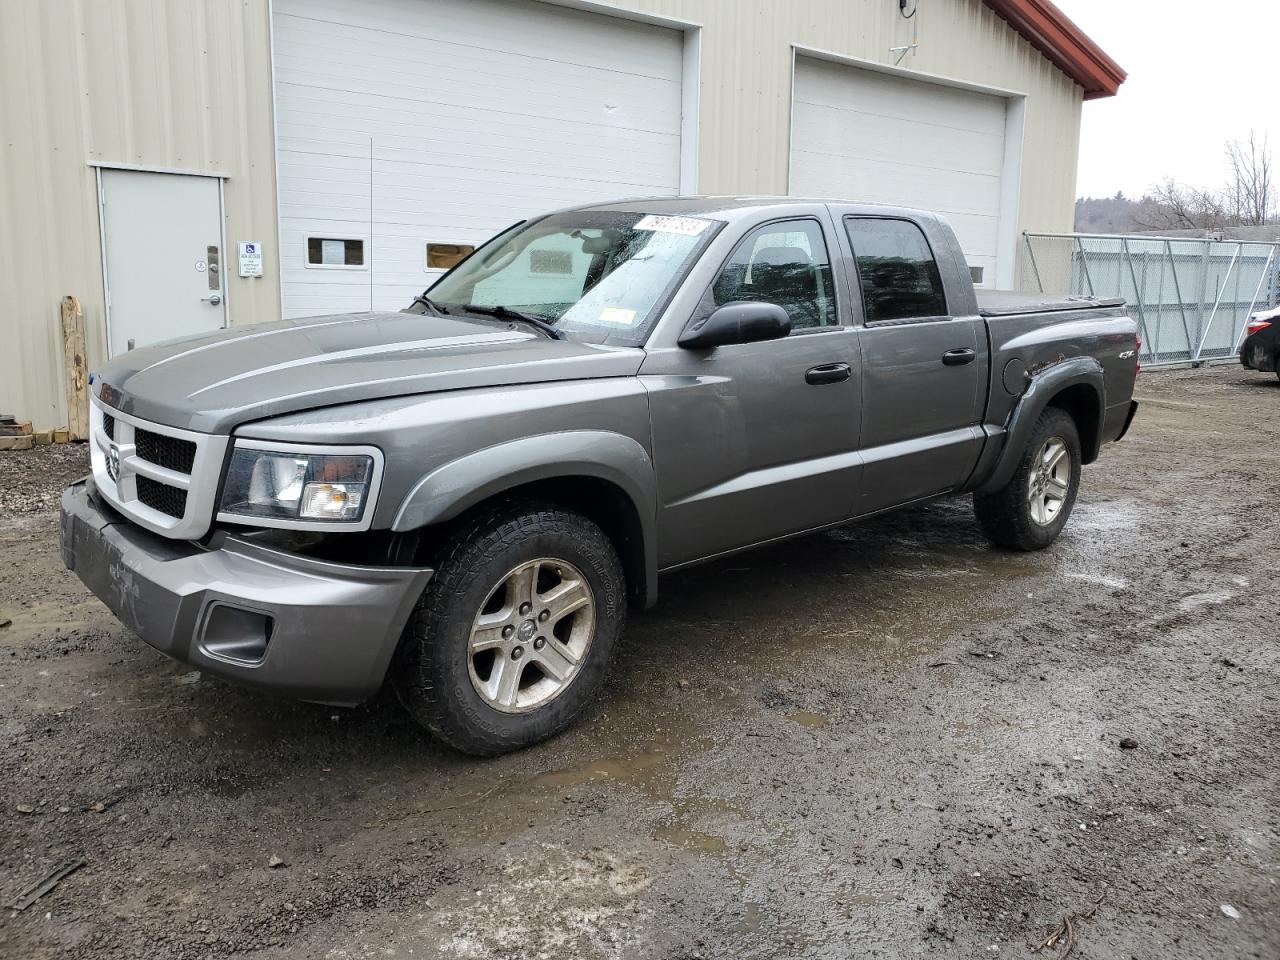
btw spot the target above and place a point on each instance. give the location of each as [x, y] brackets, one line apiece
[685, 226]
[618, 316]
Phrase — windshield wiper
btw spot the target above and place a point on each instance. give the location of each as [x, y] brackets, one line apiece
[431, 305]
[506, 313]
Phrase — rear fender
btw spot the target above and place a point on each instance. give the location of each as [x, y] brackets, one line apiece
[1043, 386]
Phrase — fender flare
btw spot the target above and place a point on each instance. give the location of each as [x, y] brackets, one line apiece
[456, 486]
[1042, 387]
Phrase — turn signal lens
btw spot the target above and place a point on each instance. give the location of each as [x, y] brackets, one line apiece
[332, 501]
[1253, 326]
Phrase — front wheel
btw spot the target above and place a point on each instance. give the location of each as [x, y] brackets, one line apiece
[1030, 511]
[513, 634]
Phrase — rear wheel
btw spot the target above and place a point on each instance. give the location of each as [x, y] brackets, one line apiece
[1030, 511]
[512, 636]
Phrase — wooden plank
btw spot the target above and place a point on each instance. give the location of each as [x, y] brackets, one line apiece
[23, 442]
[73, 353]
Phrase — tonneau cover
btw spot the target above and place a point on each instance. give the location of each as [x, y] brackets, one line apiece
[1002, 303]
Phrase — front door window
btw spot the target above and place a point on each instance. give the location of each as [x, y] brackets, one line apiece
[785, 264]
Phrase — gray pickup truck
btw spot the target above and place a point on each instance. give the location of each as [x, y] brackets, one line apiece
[466, 496]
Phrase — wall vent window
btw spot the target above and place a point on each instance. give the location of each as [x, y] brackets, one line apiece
[559, 262]
[334, 252]
[446, 256]
[976, 273]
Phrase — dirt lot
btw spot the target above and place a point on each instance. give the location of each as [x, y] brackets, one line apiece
[885, 741]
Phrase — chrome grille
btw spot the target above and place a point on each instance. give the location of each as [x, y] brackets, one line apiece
[162, 478]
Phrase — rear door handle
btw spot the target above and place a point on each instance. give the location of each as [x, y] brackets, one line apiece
[958, 358]
[827, 373]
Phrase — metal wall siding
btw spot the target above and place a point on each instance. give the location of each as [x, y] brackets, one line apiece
[119, 81]
[746, 92]
[188, 85]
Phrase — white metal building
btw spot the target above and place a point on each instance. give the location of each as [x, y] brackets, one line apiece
[182, 165]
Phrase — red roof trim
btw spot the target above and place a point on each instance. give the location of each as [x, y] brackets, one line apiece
[1064, 44]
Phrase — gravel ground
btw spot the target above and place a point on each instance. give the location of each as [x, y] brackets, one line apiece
[884, 741]
[32, 480]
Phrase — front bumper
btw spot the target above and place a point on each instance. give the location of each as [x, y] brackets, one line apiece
[281, 621]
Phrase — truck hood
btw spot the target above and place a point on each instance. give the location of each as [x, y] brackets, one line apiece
[214, 383]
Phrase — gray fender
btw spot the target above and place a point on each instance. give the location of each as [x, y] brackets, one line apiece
[1042, 388]
[452, 488]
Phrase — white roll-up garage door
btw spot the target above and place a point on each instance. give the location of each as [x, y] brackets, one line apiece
[859, 134]
[403, 123]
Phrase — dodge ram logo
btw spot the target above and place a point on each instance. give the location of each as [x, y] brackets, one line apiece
[113, 463]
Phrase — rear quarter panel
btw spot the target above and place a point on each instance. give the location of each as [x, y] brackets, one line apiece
[1024, 345]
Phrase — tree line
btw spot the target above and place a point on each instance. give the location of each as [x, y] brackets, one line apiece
[1248, 198]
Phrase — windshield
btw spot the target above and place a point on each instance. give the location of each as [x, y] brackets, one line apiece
[598, 276]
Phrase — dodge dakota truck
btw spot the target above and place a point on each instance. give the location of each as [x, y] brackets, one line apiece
[463, 498]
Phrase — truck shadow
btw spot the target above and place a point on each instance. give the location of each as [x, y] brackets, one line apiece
[798, 587]
[1270, 382]
[881, 575]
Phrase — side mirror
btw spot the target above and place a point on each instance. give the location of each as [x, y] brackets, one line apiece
[737, 323]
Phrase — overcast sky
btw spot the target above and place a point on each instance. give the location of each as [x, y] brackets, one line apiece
[1199, 74]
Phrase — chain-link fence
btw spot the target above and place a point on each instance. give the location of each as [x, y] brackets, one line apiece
[1190, 297]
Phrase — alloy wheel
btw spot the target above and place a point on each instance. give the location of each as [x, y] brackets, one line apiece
[1049, 481]
[531, 635]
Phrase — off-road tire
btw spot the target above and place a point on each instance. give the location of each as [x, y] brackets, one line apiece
[1005, 516]
[431, 672]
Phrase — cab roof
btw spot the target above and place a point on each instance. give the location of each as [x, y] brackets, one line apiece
[730, 208]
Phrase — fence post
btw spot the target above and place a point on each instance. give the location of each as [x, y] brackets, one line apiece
[1084, 265]
[1137, 292]
[1031, 255]
[1153, 350]
[73, 350]
[1252, 303]
[1217, 300]
[1182, 303]
[1235, 296]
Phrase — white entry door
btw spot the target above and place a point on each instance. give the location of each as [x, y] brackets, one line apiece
[863, 135]
[162, 246]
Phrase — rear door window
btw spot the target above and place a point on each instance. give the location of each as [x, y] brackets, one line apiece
[896, 269]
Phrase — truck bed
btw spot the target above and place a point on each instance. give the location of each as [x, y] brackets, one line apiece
[1004, 303]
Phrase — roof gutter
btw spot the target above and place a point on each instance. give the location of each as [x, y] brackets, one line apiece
[1064, 44]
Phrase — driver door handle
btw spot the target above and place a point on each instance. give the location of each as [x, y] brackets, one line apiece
[827, 373]
[958, 358]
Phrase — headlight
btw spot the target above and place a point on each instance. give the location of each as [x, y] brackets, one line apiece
[304, 487]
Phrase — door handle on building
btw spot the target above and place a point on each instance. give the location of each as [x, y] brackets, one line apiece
[214, 299]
